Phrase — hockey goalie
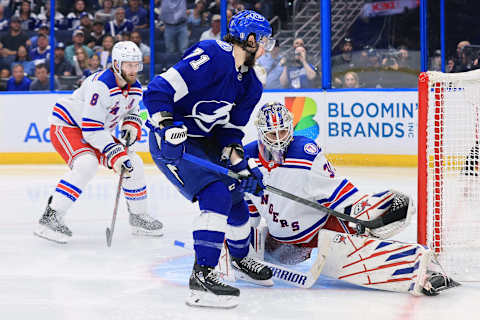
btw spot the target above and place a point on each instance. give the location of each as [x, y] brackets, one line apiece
[298, 166]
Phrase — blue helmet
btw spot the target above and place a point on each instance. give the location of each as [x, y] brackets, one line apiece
[247, 22]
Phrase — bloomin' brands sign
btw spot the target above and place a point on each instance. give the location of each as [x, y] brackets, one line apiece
[342, 122]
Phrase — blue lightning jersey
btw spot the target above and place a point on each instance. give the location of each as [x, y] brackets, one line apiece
[207, 92]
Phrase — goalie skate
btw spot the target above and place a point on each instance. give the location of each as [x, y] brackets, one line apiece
[208, 290]
[252, 271]
[145, 225]
[437, 282]
[51, 226]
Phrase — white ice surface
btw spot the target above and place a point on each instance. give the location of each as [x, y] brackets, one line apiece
[146, 278]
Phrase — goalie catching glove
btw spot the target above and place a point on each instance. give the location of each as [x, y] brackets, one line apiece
[131, 129]
[170, 136]
[117, 158]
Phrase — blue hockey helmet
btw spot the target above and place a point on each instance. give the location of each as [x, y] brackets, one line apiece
[248, 22]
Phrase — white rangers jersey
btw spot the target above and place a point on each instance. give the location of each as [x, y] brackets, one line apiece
[305, 173]
[97, 107]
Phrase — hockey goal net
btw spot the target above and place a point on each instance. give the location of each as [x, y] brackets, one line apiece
[448, 173]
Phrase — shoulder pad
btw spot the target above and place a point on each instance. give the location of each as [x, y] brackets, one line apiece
[304, 148]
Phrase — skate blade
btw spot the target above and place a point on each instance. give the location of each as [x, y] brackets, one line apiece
[136, 231]
[210, 300]
[50, 235]
[242, 276]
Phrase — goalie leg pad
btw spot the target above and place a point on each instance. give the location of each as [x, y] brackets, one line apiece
[374, 263]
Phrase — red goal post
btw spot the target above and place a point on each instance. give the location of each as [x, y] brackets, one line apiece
[448, 179]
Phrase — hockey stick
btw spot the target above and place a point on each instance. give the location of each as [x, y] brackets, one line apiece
[109, 231]
[296, 278]
[381, 221]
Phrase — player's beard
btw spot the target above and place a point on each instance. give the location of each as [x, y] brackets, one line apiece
[129, 79]
[250, 58]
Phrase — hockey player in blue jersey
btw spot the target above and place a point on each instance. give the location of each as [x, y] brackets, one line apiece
[200, 106]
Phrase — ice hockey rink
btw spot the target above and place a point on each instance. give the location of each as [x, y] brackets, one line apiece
[146, 278]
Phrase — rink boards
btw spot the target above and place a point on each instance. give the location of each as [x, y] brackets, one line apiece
[375, 128]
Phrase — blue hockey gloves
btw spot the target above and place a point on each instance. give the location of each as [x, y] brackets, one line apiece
[252, 181]
[171, 142]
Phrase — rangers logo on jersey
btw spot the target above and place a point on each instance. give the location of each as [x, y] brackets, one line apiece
[205, 119]
[311, 148]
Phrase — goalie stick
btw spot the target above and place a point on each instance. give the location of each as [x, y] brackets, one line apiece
[109, 231]
[389, 217]
[293, 277]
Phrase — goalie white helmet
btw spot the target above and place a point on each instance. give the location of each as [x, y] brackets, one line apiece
[275, 130]
[126, 51]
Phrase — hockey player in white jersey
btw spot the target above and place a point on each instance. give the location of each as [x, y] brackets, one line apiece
[81, 132]
[298, 166]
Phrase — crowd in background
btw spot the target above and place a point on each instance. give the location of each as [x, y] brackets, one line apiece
[86, 31]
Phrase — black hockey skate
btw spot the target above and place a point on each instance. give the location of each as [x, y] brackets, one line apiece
[51, 226]
[144, 224]
[208, 290]
[437, 282]
[250, 270]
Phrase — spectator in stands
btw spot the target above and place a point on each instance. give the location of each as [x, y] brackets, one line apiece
[78, 42]
[137, 14]
[450, 67]
[80, 61]
[214, 32]
[86, 24]
[389, 61]
[344, 61]
[28, 19]
[107, 13]
[61, 65]
[123, 36]
[195, 16]
[39, 54]
[23, 59]
[298, 42]
[436, 61]
[270, 61]
[42, 81]
[174, 15]
[10, 42]
[298, 73]
[404, 60]
[136, 37]
[97, 35]
[74, 16]
[214, 7]
[42, 30]
[18, 81]
[61, 22]
[119, 24]
[3, 19]
[351, 80]
[265, 7]
[461, 58]
[373, 60]
[106, 53]
[93, 66]
[4, 74]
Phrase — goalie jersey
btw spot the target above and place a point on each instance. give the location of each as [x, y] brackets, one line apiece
[305, 173]
[207, 93]
[97, 107]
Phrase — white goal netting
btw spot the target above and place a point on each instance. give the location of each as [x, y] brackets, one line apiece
[449, 182]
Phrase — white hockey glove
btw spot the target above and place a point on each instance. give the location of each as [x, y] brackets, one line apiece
[117, 159]
[132, 124]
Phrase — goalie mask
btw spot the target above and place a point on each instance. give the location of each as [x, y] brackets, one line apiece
[275, 131]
